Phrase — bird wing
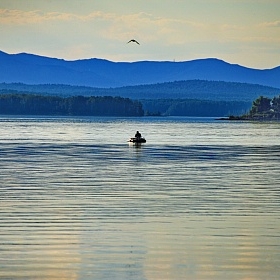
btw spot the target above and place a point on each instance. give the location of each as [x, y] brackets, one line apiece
[132, 40]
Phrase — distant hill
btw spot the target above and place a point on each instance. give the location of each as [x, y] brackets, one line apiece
[191, 89]
[34, 69]
[181, 98]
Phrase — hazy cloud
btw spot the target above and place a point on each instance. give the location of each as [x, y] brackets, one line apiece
[146, 26]
[270, 24]
[103, 34]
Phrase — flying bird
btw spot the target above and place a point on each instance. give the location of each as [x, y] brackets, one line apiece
[134, 41]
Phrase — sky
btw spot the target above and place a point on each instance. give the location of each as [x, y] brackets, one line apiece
[244, 32]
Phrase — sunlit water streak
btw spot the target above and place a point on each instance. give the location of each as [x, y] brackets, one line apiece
[199, 200]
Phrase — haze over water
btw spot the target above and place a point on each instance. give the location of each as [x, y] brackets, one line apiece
[199, 200]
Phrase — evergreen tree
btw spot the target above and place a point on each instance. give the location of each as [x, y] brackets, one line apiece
[261, 105]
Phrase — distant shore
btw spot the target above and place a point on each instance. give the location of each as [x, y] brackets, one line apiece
[249, 118]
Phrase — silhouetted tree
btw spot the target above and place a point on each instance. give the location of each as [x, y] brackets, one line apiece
[261, 105]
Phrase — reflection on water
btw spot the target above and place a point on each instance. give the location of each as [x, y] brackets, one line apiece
[77, 204]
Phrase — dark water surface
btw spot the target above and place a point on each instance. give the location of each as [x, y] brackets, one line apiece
[199, 200]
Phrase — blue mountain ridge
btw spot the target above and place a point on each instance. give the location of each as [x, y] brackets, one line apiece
[94, 72]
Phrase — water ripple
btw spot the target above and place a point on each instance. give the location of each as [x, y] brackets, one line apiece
[79, 209]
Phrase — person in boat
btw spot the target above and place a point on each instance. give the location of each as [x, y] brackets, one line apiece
[137, 134]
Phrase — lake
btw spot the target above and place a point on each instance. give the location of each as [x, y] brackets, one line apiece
[199, 200]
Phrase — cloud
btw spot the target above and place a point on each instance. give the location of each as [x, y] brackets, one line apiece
[108, 25]
[144, 26]
[103, 34]
[18, 17]
[111, 26]
[270, 24]
[152, 29]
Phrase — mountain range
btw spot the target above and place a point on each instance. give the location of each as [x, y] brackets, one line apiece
[100, 73]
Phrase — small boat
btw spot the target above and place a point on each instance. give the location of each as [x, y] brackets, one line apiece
[137, 140]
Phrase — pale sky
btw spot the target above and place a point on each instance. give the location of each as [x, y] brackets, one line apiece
[245, 32]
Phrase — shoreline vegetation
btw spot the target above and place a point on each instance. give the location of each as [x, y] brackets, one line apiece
[263, 109]
[31, 104]
[191, 98]
[13, 102]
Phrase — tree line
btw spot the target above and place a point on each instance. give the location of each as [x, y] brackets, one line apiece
[33, 104]
[263, 108]
[194, 107]
[16, 103]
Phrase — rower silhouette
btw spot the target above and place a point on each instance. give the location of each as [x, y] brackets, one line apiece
[138, 134]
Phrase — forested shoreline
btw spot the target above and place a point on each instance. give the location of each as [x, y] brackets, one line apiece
[33, 104]
[194, 107]
[263, 109]
[16, 103]
[197, 98]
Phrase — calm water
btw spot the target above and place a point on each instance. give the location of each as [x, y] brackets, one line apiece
[199, 200]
